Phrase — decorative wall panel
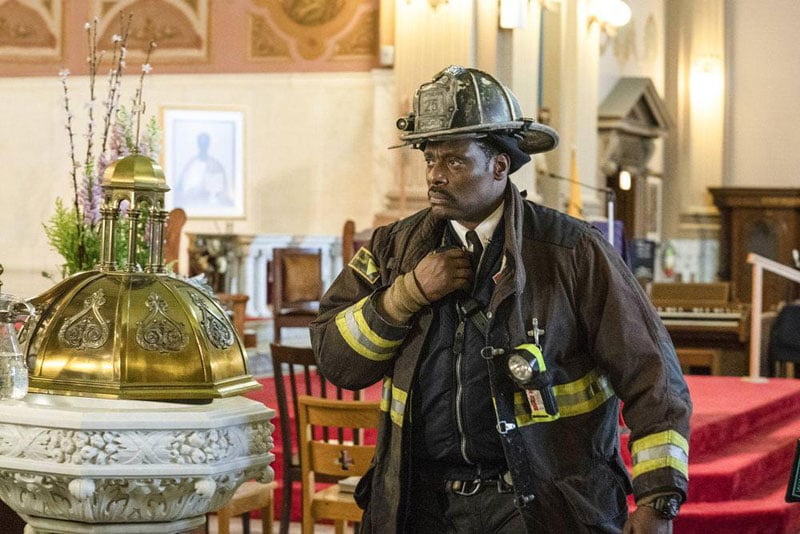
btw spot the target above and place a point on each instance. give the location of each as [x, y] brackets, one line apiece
[305, 31]
[30, 30]
[179, 27]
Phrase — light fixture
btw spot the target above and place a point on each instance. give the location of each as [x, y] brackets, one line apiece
[624, 180]
[706, 80]
[610, 15]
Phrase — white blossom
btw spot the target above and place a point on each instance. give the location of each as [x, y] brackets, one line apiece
[63, 73]
[87, 26]
[116, 38]
[146, 68]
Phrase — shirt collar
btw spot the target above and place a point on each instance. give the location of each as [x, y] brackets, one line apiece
[485, 228]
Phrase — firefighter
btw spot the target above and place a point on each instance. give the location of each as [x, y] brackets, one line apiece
[506, 335]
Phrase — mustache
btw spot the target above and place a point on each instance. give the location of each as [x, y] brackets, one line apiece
[440, 192]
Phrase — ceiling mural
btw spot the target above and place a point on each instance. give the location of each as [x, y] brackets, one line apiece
[179, 27]
[30, 29]
[313, 30]
[44, 37]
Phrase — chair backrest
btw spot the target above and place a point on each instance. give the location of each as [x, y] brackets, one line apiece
[344, 455]
[348, 244]
[295, 372]
[173, 229]
[297, 278]
[352, 240]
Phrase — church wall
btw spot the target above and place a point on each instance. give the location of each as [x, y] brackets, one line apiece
[764, 80]
[308, 156]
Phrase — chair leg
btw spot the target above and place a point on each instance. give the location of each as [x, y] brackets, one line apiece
[339, 527]
[286, 505]
[308, 521]
[246, 523]
[267, 519]
[223, 522]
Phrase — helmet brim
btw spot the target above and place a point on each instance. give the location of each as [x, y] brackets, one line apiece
[533, 138]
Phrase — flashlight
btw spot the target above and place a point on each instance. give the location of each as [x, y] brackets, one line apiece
[525, 365]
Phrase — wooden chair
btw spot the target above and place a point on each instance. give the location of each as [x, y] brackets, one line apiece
[337, 454]
[249, 496]
[236, 303]
[173, 229]
[352, 240]
[296, 287]
[295, 372]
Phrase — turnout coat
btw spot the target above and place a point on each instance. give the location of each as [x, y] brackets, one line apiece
[603, 342]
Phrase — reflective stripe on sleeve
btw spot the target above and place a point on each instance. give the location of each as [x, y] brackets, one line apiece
[360, 337]
[657, 451]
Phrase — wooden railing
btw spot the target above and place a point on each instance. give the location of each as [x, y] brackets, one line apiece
[760, 263]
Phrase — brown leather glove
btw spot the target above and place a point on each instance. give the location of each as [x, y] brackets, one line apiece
[436, 275]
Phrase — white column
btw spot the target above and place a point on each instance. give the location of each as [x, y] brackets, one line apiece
[260, 255]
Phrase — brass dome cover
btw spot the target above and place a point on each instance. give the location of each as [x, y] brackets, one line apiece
[134, 332]
[134, 336]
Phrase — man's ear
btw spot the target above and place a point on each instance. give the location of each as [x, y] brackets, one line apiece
[502, 162]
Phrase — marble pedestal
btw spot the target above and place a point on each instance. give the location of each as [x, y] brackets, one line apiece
[85, 465]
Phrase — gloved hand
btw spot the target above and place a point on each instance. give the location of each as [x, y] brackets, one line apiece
[436, 275]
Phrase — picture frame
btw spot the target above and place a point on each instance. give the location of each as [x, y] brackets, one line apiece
[203, 161]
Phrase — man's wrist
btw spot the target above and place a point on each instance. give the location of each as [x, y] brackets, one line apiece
[402, 299]
[666, 505]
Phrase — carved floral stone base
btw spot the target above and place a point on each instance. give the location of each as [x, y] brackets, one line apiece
[74, 464]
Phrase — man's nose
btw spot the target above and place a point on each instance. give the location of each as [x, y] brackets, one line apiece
[436, 174]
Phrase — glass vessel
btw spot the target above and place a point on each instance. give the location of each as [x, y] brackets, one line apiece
[13, 368]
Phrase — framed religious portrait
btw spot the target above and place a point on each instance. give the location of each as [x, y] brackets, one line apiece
[204, 161]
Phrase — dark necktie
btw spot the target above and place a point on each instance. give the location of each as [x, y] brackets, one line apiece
[477, 248]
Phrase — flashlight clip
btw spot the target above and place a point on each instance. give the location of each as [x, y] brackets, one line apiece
[490, 352]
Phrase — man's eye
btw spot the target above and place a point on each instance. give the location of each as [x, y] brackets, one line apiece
[453, 162]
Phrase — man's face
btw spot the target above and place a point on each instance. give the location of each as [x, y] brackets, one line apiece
[463, 183]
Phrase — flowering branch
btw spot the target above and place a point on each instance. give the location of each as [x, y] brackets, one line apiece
[74, 232]
[115, 74]
[138, 106]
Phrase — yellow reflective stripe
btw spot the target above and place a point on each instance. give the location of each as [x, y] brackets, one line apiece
[595, 391]
[360, 337]
[657, 451]
[573, 398]
[660, 463]
[398, 405]
[386, 393]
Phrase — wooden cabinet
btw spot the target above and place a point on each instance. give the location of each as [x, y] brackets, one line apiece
[761, 220]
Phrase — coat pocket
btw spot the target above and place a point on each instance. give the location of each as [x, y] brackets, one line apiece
[598, 498]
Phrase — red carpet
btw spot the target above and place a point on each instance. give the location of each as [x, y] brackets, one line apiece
[742, 444]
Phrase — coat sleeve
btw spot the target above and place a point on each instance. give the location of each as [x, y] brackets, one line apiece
[634, 349]
[354, 346]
